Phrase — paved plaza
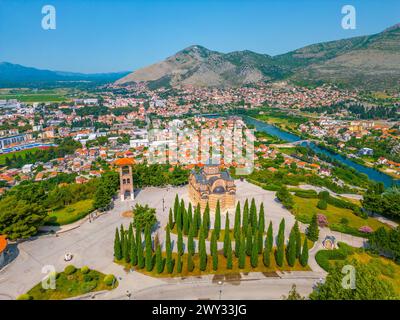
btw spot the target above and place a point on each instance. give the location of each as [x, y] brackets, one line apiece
[92, 244]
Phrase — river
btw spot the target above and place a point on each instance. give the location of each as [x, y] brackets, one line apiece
[372, 174]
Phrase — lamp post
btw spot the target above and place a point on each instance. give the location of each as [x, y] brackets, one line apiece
[220, 290]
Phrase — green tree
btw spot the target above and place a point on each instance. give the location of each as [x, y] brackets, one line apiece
[117, 246]
[159, 260]
[254, 252]
[280, 250]
[322, 204]
[133, 251]
[270, 237]
[242, 252]
[144, 216]
[217, 220]
[176, 206]
[253, 216]
[304, 254]
[140, 253]
[179, 264]
[214, 250]
[291, 249]
[249, 240]
[190, 263]
[368, 285]
[227, 240]
[101, 197]
[149, 249]
[229, 263]
[126, 251]
[190, 242]
[168, 251]
[171, 219]
[296, 230]
[197, 220]
[236, 228]
[313, 231]
[180, 242]
[267, 253]
[285, 197]
[190, 215]
[206, 220]
[202, 250]
[261, 219]
[245, 216]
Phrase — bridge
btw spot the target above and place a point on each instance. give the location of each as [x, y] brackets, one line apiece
[294, 143]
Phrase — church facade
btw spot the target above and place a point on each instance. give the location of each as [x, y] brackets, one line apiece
[211, 184]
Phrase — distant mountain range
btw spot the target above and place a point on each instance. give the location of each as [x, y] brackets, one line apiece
[370, 62]
[15, 74]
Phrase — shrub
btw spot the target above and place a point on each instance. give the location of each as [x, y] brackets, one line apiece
[306, 194]
[87, 278]
[85, 269]
[322, 204]
[322, 220]
[344, 221]
[89, 286]
[324, 195]
[70, 269]
[366, 229]
[25, 296]
[109, 279]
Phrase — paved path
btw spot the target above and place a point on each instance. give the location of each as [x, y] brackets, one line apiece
[92, 244]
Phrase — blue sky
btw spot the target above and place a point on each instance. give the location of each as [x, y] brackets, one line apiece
[116, 35]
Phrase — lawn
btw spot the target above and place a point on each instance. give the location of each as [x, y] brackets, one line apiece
[304, 209]
[70, 213]
[20, 153]
[72, 285]
[222, 270]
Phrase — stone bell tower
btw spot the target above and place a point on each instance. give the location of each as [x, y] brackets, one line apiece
[126, 189]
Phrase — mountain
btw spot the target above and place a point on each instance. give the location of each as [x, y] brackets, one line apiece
[371, 62]
[15, 74]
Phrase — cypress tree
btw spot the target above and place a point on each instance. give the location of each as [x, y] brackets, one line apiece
[261, 219]
[206, 220]
[176, 207]
[190, 263]
[140, 253]
[171, 219]
[185, 222]
[304, 254]
[117, 246]
[270, 237]
[198, 222]
[168, 250]
[298, 239]
[236, 228]
[249, 240]
[313, 231]
[190, 215]
[122, 236]
[190, 242]
[280, 250]
[291, 249]
[180, 242]
[130, 236]
[179, 264]
[242, 252]
[178, 220]
[217, 220]
[202, 251]
[126, 251]
[159, 260]
[245, 216]
[237, 244]
[227, 239]
[214, 250]
[253, 215]
[133, 251]
[267, 253]
[260, 237]
[149, 250]
[254, 252]
[229, 263]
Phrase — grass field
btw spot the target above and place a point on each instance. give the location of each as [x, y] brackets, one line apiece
[21, 153]
[73, 285]
[70, 213]
[35, 97]
[222, 269]
[304, 209]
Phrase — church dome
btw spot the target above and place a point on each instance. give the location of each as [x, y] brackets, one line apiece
[219, 189]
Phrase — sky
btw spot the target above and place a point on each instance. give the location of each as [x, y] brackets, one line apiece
[123, 35]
